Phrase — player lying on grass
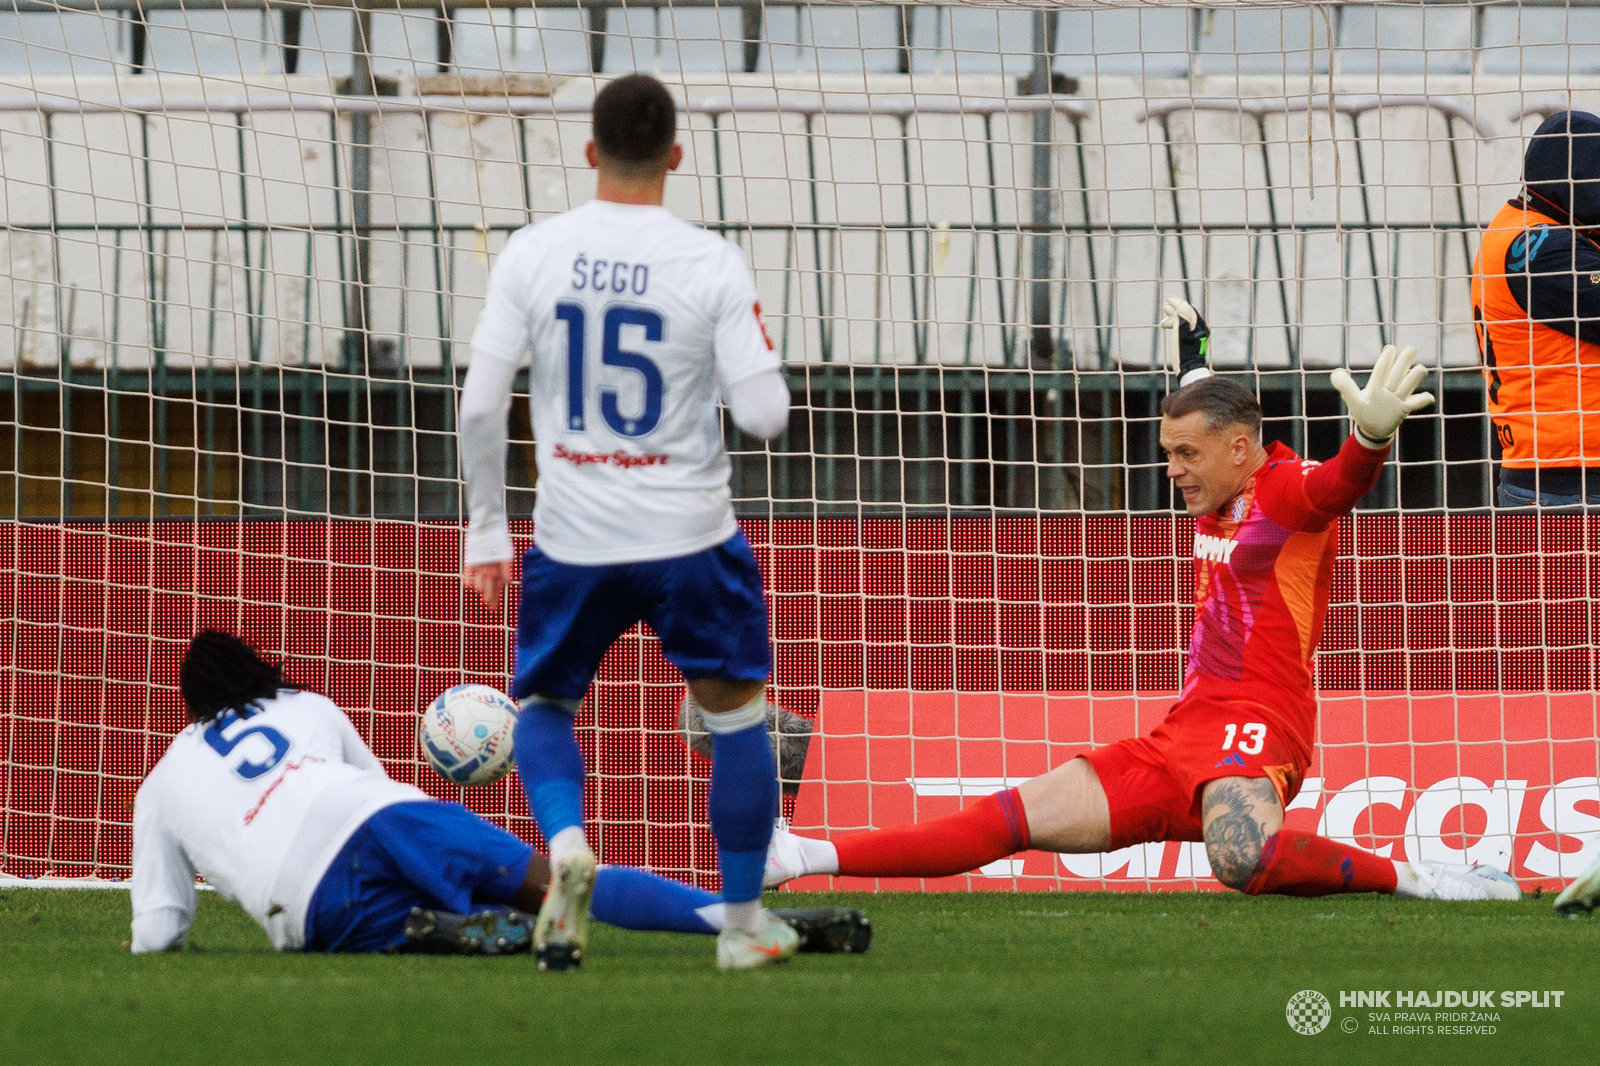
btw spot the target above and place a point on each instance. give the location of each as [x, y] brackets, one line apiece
[272, 796]
[1230, 754]
[632, 324]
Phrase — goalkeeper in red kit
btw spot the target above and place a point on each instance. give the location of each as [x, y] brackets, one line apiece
[1229, 756]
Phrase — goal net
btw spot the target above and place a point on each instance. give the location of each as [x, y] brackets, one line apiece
[245, 245]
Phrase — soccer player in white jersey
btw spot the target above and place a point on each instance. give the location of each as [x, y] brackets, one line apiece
[633, 323]
[272, 796]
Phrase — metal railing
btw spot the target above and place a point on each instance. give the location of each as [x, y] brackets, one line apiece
[309, 437]
[598, 29]
[1013, 362]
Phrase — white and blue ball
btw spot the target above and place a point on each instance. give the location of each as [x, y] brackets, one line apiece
[466, 734]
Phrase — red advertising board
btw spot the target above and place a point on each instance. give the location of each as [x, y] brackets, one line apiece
[1504, 779]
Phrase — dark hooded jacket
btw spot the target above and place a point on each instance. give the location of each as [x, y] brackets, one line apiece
[1559, 285]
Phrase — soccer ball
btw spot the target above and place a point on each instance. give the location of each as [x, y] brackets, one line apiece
[466, 734]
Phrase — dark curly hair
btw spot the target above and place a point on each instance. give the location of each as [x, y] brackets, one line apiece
[221, 673]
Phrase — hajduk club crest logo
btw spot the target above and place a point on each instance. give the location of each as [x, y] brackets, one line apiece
[1309, 1012]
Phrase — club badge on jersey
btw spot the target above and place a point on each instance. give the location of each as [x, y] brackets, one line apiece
[763, 324]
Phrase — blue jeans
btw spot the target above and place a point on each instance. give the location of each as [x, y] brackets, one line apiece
[1516, 496]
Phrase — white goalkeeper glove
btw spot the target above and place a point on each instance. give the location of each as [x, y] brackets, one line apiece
[1188, 347]
[1390, 395]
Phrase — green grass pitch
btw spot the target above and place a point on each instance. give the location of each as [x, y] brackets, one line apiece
[955, 978]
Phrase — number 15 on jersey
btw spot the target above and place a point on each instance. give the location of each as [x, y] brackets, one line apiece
[639, 423]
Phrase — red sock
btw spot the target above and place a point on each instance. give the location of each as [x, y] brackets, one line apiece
[990, 829]
[1297, 863]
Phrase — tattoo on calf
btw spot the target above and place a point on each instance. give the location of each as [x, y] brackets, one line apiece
[1233, 832]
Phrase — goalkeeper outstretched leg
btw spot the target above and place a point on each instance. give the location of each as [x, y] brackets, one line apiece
[1118, 797]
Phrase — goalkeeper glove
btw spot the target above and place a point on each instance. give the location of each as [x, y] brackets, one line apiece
[1390, 395]
[1188, 341]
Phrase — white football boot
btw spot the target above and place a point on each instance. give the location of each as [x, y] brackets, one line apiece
[785, 859]
[562, 930]
[1438, 880]
[1580, 897]
[739, 950]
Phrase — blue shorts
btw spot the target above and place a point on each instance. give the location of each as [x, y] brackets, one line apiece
[706, 608]
[422, 854]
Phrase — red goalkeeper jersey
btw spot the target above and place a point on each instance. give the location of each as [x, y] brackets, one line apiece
[1263, 575]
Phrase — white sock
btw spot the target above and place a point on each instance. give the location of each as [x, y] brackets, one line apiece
[820, 856]
[568, 840]
[1407, 884]
[747, 916]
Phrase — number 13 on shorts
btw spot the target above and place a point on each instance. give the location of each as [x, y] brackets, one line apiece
[1253, 738]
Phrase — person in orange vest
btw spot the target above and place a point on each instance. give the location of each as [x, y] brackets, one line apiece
[1536, 306]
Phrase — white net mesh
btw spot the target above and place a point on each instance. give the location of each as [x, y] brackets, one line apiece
[245, 247]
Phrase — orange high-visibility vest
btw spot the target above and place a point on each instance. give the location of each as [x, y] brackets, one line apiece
[1544, 386]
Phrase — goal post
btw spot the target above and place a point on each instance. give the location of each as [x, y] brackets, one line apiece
[246, 245]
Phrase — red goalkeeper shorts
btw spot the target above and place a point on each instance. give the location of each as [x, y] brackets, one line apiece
[1152, 783]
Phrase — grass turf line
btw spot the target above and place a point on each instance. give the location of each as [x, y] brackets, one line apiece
[951, 978]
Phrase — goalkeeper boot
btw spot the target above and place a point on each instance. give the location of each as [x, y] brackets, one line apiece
[1438, 880]
[741, 950]
[562, 930]
[828, 930]
[1583, 895]
[492, 931]
[786, 858]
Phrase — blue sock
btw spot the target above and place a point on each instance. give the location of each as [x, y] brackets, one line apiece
[551, 766]
[744, 802]
[634, 899]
